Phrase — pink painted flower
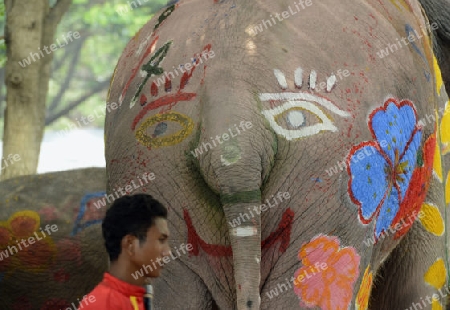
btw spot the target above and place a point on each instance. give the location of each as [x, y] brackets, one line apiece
[328, 274]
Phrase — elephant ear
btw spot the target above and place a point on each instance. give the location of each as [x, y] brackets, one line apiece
[438, 13]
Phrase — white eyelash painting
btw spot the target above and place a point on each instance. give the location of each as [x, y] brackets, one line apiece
[296, 106]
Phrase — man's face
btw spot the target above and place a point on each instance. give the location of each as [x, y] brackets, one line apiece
[153, 249]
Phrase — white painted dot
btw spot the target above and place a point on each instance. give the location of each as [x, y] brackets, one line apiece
[251, 47]
[296, 118]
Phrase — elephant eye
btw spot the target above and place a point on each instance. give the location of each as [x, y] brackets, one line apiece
[161, 129]
[299, 116]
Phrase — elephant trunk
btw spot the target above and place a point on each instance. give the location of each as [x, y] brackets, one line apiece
[239, 185]
[245, 239]
[235, 168]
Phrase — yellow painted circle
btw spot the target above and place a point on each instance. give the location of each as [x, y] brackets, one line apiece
[185, 121]
[432, 220]
[435, 276]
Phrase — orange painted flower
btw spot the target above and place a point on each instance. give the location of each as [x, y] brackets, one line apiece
[328, 274]
[362, 299]
[16, 250]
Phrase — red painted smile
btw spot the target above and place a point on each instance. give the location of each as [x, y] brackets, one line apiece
[283, 233]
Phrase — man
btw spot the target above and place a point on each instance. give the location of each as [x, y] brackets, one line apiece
[136, 235]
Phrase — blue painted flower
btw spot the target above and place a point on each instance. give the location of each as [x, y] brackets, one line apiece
[381, 170]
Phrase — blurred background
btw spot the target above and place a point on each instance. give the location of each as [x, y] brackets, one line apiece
[56, 100]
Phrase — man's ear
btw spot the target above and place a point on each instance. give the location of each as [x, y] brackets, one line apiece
[129, 244]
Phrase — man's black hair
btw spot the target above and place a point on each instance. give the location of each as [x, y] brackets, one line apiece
[129, 215]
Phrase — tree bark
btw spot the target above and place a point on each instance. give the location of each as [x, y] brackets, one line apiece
[2, 96]
[30, 27]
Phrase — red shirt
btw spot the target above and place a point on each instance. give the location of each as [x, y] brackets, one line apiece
[114, 294]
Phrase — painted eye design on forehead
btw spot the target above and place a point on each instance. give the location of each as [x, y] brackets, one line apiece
[159, 122]
[166, 128]
[300, 116]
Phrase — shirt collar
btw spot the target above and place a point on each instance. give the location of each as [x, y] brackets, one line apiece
[123, 287]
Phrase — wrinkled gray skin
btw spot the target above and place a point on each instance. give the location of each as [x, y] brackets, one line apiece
[42, 277]
[219, 185]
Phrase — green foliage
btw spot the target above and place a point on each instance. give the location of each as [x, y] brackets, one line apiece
[105, 28]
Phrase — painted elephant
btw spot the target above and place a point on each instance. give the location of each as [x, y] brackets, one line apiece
[51, 248]
[301, 149]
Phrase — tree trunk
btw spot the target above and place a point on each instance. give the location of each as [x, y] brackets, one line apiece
[30, 28]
